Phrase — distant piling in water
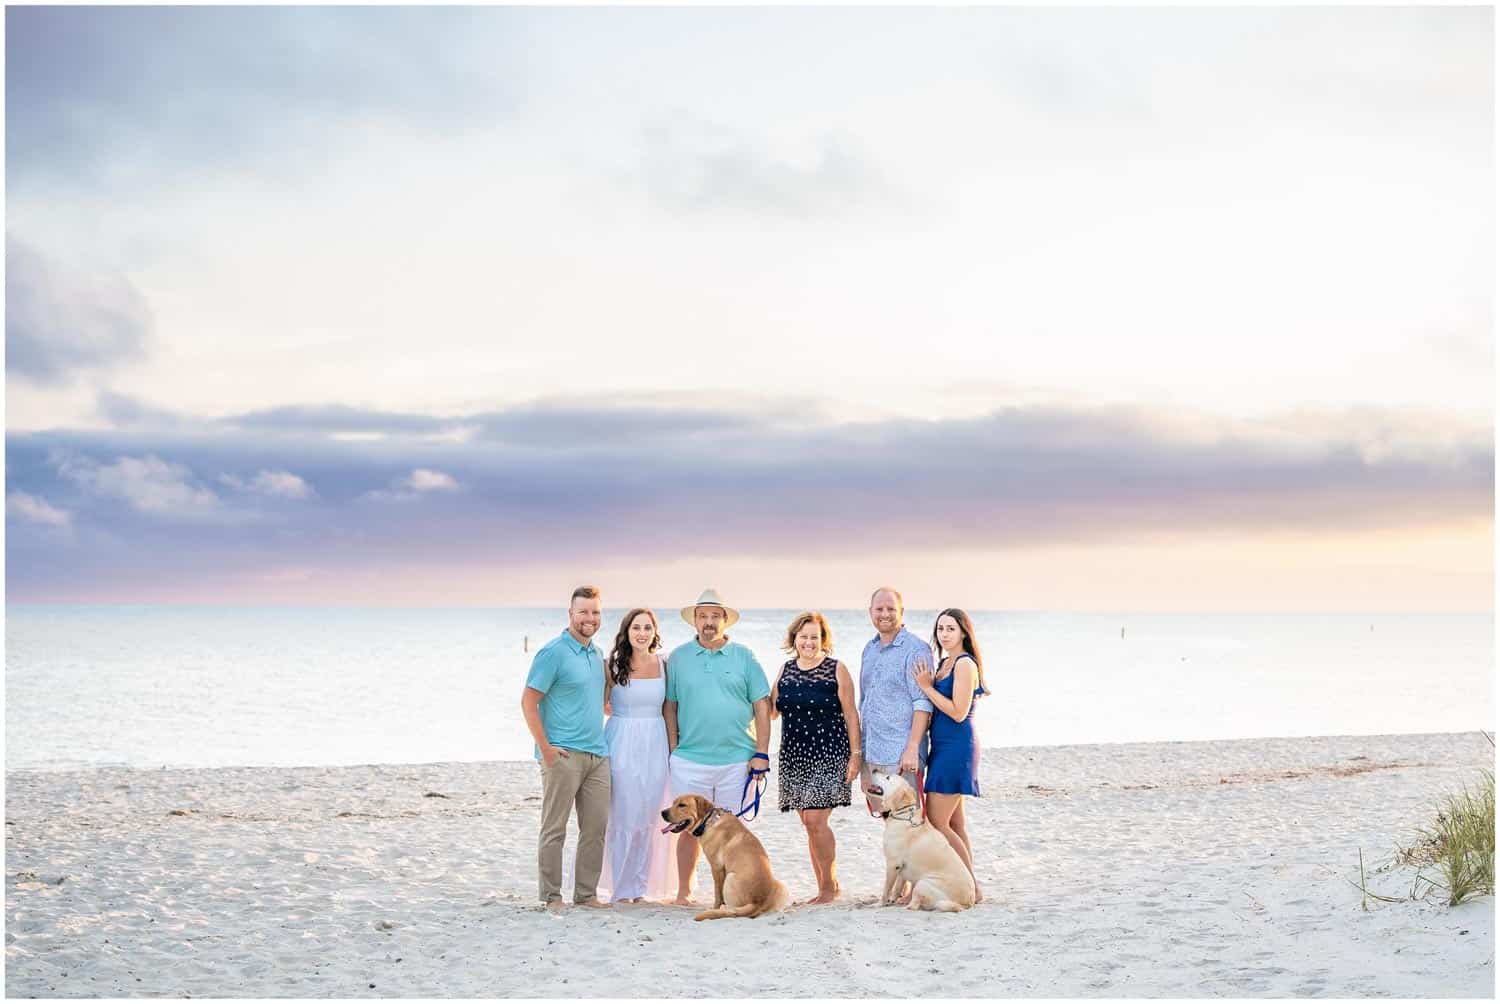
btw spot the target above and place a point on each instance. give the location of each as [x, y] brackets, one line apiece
[525, 643]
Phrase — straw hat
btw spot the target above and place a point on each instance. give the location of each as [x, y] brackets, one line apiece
[710, 598]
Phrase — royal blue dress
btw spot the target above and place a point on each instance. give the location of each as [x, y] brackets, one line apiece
[953, 764]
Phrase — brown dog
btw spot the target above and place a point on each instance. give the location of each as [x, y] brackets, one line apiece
[742, 871]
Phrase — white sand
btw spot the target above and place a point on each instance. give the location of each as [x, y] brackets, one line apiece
[1180, 869]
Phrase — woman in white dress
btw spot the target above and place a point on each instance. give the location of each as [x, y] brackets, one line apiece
[638, 855]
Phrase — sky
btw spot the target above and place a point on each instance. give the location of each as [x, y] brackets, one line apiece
[1109, 309]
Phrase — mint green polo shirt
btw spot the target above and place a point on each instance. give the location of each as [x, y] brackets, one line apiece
[570, 677]
[715, 693]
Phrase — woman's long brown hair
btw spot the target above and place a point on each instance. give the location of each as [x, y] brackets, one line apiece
[618, 665]
[966, 629]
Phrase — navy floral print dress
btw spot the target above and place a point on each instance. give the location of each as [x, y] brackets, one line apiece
[814, 738]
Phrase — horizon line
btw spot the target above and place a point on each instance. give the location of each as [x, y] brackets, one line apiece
[188, 604]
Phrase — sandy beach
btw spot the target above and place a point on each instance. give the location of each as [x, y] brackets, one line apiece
[1161, 869]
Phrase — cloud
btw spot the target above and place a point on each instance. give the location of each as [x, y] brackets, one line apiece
[133, 94]
[336, 418]
[273, 484]
[1020, 477]
[694, 166]
[556, 423]
[423, 480]
[35, 510]
[61, 321]
[147, 484]
[416, 484]
[124, 410]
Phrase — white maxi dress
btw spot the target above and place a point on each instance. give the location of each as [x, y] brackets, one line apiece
[637, 855]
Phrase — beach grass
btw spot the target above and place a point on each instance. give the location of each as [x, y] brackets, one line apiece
[1459, 843]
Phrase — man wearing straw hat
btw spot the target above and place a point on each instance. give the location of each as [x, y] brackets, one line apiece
[716, 691]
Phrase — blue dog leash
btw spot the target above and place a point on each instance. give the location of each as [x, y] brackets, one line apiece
[754, 776]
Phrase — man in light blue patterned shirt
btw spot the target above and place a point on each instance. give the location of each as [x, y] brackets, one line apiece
[893, 712]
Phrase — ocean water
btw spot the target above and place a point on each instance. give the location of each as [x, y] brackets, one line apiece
[151, 686]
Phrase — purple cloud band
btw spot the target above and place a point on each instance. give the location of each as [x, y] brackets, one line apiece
[171, 498]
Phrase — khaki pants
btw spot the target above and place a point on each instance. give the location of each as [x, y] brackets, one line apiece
[581, 781]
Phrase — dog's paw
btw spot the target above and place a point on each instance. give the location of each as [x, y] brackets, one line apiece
[702, 916]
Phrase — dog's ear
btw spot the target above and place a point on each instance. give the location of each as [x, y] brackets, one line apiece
[701, 807]
[902, 796]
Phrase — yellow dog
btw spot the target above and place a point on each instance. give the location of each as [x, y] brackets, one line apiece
[916, 852]
[743, 883]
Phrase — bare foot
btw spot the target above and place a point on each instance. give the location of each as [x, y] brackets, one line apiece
[555, 905]
[825, 896]
[594, 903]
[683, 899]
[978, 893]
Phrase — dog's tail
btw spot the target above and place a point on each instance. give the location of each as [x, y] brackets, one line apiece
[777, 902]
[748, 910]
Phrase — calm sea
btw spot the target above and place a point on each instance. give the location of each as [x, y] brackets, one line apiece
[154, 686]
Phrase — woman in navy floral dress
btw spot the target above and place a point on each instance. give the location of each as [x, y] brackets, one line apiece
[814, 697]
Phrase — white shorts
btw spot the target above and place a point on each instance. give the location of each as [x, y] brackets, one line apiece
[722, 785]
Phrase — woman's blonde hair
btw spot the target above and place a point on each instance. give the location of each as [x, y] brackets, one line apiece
[801, 621]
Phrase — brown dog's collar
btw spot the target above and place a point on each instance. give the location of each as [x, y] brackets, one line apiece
[697, 831]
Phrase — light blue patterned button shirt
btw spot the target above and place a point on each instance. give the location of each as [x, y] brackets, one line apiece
[888, 696]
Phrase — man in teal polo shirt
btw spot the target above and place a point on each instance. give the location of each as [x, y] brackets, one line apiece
[716, 692]
[563, 704]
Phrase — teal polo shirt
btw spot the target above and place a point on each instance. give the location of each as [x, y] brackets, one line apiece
[570, 677]
[715, 692]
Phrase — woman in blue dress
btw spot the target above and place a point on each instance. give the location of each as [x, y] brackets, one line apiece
[953, 763]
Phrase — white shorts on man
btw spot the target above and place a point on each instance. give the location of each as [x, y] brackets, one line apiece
[722, 785]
